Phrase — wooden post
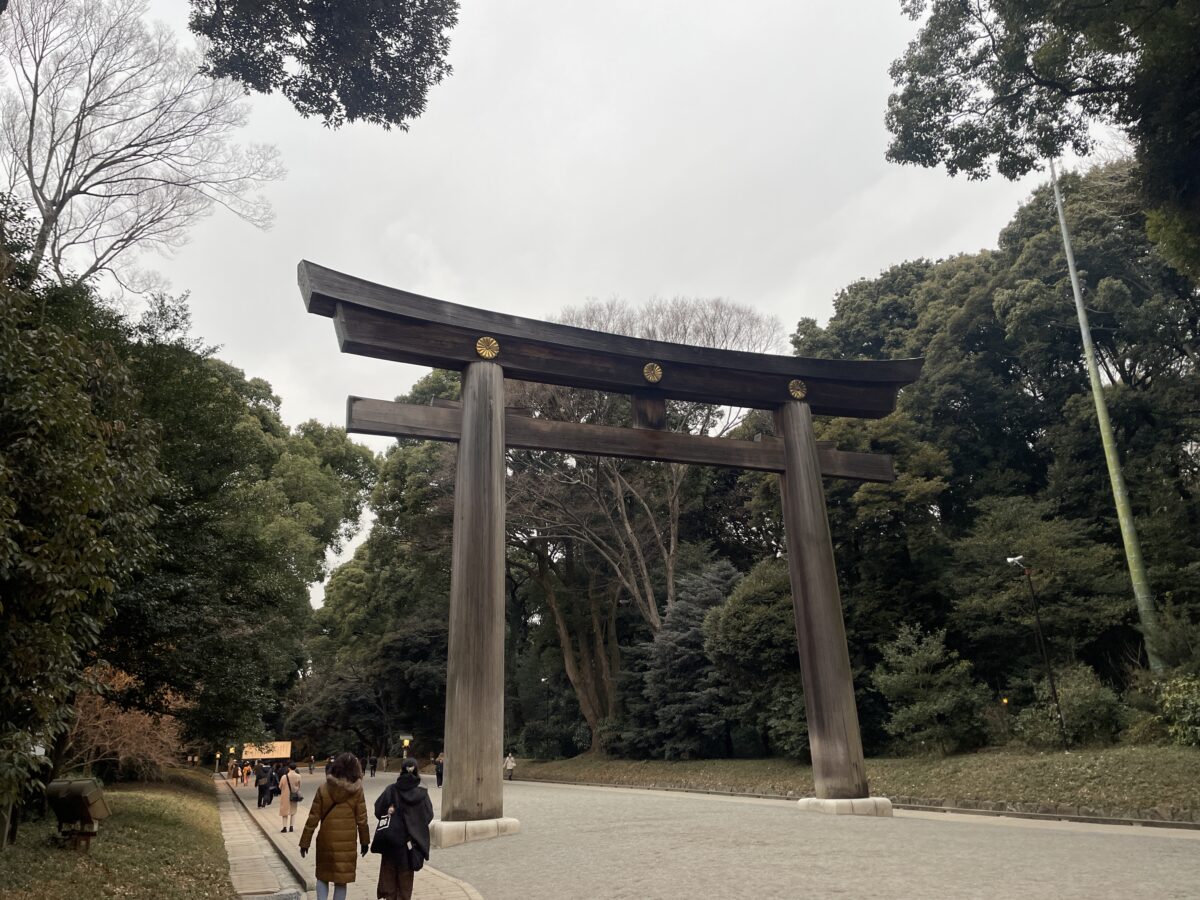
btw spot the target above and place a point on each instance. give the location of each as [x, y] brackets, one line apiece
[475, 666]
[833, 733]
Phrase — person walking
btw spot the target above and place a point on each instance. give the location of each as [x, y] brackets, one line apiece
[273, 784]
[289, 798]
[373, 762]
[311, 762]
[509, 765]
[262, 781]
[439, 766]
[408, 809]
[339, 810]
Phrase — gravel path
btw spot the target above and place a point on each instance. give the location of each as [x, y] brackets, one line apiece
[621, 844]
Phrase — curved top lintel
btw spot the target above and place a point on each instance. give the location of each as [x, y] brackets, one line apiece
[398, 324]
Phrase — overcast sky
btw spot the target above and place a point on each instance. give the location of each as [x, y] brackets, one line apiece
[589, 150]
[635, 149]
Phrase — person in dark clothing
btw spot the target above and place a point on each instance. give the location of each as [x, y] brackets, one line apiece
[408, 805]
[273, 784]
[439, 766]
[262, 781]
[374, 762]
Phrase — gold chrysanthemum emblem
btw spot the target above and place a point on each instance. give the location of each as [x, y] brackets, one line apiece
[652, 372]
[487, 347]
[797, 388]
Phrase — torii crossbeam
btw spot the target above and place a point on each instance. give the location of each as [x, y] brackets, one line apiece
[373, 320]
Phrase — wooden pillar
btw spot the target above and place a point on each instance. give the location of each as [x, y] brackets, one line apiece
[833, 733]
[475, 666]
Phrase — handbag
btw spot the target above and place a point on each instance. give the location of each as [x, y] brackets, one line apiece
[294, 794]
[389, 839]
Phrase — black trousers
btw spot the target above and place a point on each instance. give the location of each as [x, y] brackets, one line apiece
[264, 795]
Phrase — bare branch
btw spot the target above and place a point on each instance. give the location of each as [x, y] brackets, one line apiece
[115, 138]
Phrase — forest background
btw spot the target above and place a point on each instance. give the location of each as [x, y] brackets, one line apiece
[160, 525]
[649, 613]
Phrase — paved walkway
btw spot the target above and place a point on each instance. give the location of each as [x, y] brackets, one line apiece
[430, 884]
[578, 843]
[254, 866]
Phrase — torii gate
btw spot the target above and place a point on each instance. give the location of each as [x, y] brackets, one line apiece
[373, 320]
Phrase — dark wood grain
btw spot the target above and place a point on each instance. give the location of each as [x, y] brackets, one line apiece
[373, 320]
[649, 411]
[475, 662]
[833, 731]
[443, 422]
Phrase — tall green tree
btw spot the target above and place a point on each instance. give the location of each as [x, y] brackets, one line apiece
[935, 704]
[77, 479]
[377, 647]
[1009, 84]
[348, 61]
[250, 510]
[751, 639]
[673, 702]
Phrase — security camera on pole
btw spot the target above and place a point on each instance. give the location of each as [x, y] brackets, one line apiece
[1019, 562]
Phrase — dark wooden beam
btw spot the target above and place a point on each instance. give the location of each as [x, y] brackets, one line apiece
[648, 411]
[444, 423]
[475, 657]
[834, 738]
[383, 322]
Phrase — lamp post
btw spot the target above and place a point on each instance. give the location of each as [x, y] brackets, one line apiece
[1019, 561]
[217, 763]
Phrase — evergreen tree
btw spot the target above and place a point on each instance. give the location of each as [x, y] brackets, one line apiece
[935, 704]
[681, 684]
[751, 640]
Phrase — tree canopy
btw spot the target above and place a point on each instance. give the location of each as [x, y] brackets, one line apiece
[1004, 84]
[341, 60]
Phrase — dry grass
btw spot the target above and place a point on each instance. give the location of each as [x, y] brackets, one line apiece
[1110, 779]
[162, 840]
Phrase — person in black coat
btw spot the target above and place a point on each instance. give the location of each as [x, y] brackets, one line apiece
[410, 810]
[262, 781]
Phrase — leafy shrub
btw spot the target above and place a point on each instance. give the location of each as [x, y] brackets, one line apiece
[936, 706]
[1091, 711]
[1142, 728]
[787, 725]
[553, 740]
[1179, 700]
[1177, 638]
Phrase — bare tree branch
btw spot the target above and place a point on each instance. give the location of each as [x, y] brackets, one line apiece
[115, 138]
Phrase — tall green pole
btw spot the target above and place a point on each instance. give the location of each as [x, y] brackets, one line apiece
[1147, 615]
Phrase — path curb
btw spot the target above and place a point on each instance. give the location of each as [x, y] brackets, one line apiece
[912, 803]
[309, 882]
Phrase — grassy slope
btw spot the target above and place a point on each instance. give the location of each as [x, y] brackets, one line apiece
[1110, 778]
[162, 840]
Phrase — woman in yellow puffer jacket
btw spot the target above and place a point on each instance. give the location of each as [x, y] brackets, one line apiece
[339, 810]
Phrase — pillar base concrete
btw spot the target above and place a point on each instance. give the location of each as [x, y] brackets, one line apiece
[859, 806]
[451, 834]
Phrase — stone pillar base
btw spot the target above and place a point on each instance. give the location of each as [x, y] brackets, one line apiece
[859, 806]
[451, 834]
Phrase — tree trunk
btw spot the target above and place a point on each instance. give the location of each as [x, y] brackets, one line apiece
[591, 657]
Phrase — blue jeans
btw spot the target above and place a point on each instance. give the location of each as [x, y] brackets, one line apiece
[339, 891]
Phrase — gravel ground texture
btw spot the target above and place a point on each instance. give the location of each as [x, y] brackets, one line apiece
[622, 844]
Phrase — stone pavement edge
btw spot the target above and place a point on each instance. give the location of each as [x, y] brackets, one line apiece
[430, 883]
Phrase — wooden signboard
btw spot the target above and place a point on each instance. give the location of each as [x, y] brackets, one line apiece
[274, 750]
